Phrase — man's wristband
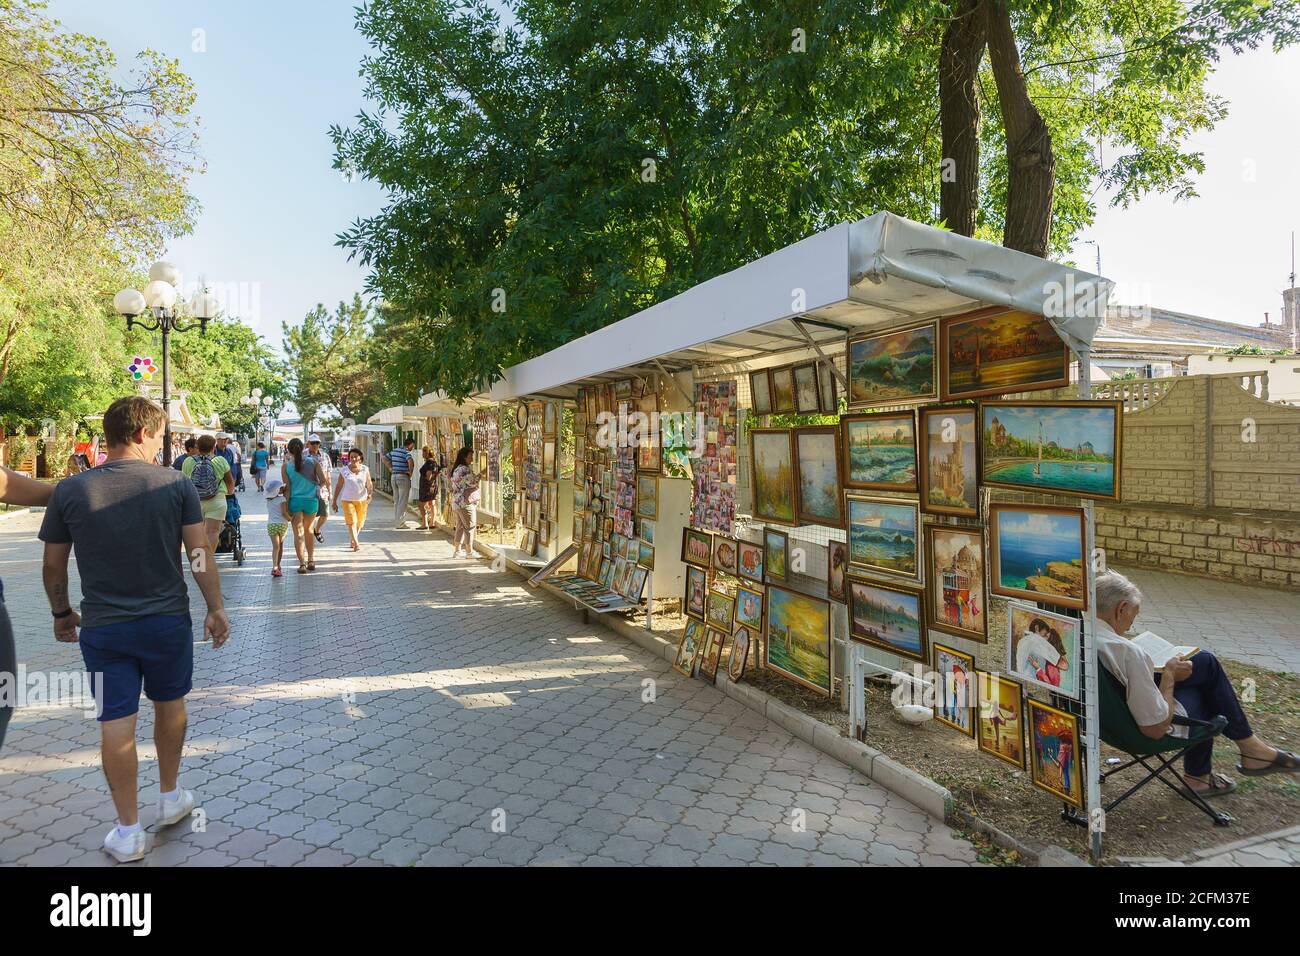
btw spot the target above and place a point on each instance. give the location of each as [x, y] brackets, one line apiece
[61, 614]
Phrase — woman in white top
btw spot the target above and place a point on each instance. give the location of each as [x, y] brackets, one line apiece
[354, 487]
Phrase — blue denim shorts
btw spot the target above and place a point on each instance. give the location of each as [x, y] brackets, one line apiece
[156, 651]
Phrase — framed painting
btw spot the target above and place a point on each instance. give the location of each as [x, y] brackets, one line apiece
[550, 419]
[882, 534]
[647, 497]
[954, 695]
[827, 391]
[879, 451]
[713, 641]
[820, 498]
[544, 534]
[548, 458]
[689, 647]
[782, 390]
[636, 583]
[740, 644]
[1043, 648]
[696, 588]
[949, 461]
[798, 638]
[1054, 753]
[1036, 553]
[887, 616]
[886, 368]
[647, 530]
[749, 608]
[998, 350]
[958, 604]
[720, 610]
[521, 416]
[1062, 447]
[1000, 721]
[645, 557]
[760, 392]
[777, 545]
[837, 565]
[724, 555]
[697, 547]
[749, 561]
[772, 465]
[649, 457]
[806, 399]
[530, 543]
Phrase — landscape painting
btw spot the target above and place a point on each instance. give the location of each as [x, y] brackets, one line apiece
[798, 644]
[1036, 554]
[782, 390]
[1000, 719]
[990, 353]
[818, 467]
[771, 455]
[879, 451]
[893, 366]
[1064, 447]
[958, 604]
[954, 673]
[1054, 753]
[883, 534]
[806, 401]
[949, 461]
[777, 545]
[760, 392]
[887, 617]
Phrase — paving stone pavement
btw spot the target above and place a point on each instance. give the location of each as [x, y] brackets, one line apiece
[1242, 623]
[1280, 848]
[398, 707]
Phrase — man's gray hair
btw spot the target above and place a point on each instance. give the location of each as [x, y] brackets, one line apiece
[1113, 587]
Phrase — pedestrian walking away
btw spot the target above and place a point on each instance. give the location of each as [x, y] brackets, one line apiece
[15, 489]
[261, 460]
[401, 463]
[464, 504]
[191, 447]
[126, 521]
[210, 473]
[326, 468]
[277, 522]
[302, 474]
[354, 487]
[428, 491]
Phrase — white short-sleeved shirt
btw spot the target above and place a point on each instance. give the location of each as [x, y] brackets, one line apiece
[354, 485]
[1133, 668]
[273, 513]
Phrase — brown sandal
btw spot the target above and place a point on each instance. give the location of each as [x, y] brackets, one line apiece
[1284, 762]
[1217, 787]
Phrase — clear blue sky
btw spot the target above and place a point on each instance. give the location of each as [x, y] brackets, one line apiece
[277, 73]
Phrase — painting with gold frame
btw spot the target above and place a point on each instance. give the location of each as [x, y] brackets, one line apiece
[888, 616]
[879, 450]
[884, 534]
[1001, 718]
[1055, 752]
[998, 350]
[749, 561]
[741, 642]
[957, 602]
[697, 547]
[819, 488]
[893, 366]
[954, 696]
[797, 644]
[720, 610]
[709, 660]
[1064, 447]
[948, 460]
[724, 554]
[697, 586]
[773, 474]
[1037, 553]
[689, 647]
[647, 497]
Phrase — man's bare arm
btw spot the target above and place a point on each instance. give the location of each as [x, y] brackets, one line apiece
[17, 489]
[203, 564]
[54, 573]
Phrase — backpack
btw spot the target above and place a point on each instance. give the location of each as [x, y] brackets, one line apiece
[204, 477]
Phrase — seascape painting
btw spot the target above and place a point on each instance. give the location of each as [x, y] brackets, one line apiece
[1064, 447]
[1007, 351]
[1036, 553]
[817, 454]
[772, 463]
[883, 534]
[887, 617]
[798, 641]
[880, 451]
[949, 461]
[894, 366]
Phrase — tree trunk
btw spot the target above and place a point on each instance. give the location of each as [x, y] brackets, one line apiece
[1031, 165]
[959, 117]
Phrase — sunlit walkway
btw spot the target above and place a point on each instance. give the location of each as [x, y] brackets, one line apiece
[399, 707]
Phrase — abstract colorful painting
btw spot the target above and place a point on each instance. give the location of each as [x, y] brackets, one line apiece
[893, 366]
[991, 352]
[798, 644]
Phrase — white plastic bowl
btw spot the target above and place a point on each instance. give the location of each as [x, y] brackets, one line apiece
[913, 713]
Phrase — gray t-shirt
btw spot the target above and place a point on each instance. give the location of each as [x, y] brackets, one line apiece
[124, 521]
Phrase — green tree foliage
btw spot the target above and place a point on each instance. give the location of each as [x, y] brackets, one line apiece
[603, 155]
[332, 362]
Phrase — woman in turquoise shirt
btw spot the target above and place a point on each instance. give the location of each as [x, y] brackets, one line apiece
[304, 481]
[260, 459]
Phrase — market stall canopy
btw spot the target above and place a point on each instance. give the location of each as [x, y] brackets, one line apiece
[438, 404]
[395, 415]
[376, 429]
[880, 272]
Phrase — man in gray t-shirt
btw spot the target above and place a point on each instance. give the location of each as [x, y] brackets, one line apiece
[127, 520]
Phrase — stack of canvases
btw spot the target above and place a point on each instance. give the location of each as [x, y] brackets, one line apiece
[876, 472]
[615, 494]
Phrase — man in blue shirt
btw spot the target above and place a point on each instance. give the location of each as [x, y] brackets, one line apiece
[232, 456]
[191, 443]
[401, 464]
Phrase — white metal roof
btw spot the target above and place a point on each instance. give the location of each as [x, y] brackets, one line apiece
[876, 273]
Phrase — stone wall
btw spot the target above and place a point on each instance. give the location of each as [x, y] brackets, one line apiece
[1211, 485]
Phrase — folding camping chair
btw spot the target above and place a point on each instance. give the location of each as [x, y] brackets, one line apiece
[1120, 730]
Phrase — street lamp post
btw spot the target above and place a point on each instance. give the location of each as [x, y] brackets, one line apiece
[160, 300]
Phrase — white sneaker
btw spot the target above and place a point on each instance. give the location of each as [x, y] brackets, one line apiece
[174, 811]
[125, 849]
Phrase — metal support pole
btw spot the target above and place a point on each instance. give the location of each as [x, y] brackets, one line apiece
[650, 601]
[1091, 710]
[844, 382]
[167, 390]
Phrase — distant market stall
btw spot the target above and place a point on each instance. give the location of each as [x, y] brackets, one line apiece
[838, 456]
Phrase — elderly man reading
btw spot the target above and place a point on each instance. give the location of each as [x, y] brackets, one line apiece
[1195, 687]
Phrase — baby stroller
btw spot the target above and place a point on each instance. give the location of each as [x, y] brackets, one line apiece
[231, 540]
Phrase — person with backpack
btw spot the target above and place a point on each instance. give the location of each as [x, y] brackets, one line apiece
[212, 478]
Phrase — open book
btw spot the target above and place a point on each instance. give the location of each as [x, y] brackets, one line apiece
[1161, 651]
